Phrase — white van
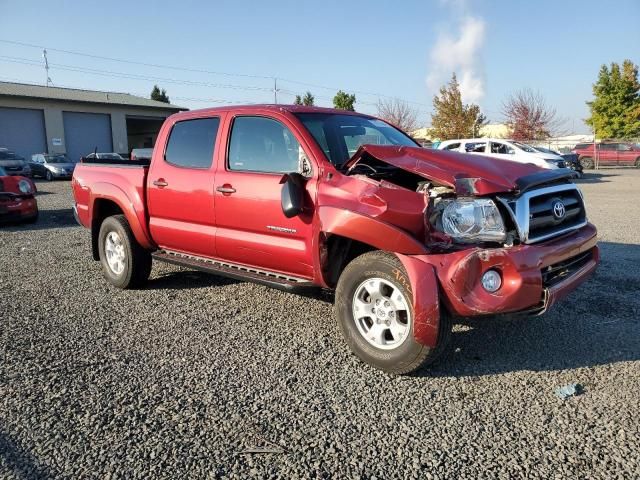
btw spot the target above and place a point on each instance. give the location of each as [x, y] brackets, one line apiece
[505, 150]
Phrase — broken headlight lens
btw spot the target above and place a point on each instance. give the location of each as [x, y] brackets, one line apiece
[473, 220]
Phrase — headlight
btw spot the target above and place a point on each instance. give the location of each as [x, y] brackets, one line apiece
[473, 220]
[24, 186]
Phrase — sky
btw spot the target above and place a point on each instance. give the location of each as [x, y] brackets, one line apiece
[211, 53]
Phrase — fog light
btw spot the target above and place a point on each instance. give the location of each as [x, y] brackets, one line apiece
[491, 281]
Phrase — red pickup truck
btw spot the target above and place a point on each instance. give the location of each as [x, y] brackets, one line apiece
[302, 198]
[622, 154]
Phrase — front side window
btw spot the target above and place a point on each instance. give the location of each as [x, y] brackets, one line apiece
[475, 147]
[191, 143]
[623, 147]
[340, 136]
[501, 148]
[260, 144]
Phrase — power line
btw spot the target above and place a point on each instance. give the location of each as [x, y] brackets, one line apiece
[211, 72]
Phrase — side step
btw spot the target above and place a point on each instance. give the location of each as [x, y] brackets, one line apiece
[238, 272]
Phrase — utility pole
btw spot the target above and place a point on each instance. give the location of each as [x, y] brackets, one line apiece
[275, 90]
[46, 67]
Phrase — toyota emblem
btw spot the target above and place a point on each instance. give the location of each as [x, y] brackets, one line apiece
[559, 210]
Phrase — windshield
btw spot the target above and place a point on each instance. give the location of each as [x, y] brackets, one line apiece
[339, 136]
[524, 147]
[56, 158]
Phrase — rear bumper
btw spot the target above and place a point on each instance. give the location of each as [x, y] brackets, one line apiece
[534, 277]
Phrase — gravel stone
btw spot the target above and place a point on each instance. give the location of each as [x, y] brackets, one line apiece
[179, 378]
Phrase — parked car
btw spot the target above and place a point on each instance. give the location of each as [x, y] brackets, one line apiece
[17, 200]
[103, 156]
[141, 154]
[504, 150]
[50, 166]
[570, 159]
[610, 153]
[14, 164]
[408, 237]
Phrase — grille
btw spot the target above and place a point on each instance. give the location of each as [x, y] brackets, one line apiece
[554, 274]
[547, 212]
[543, 221]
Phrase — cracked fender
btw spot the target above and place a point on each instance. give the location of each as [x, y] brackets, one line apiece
[426, 304]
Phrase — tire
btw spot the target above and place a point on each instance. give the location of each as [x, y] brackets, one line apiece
[48, 176]
[637, 164]
[125, 263]
[393, 353]
[586, 162]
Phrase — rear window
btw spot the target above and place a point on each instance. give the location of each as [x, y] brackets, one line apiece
[191, 143]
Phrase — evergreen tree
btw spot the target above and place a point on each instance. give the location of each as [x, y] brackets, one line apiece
[159, 95]
[452, 118]
[615, 109]
[344, 101]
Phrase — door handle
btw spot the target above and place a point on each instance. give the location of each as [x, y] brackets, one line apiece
[226, 189]
[160, 183]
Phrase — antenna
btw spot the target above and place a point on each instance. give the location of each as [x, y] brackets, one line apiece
[275, 90]
[46, 67]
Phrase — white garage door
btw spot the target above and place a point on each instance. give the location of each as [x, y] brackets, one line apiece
[22, 130]
[86, 132]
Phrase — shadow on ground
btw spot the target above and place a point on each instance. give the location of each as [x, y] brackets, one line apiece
[589, 176]
[19, 461]
[57, 218]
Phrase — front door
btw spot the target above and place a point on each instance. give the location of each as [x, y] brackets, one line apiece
[626, 155]
[180, 188]
[251, 228]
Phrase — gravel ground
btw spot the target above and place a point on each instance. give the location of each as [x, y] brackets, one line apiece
[189, 375]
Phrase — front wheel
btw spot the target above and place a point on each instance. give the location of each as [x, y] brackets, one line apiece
[375, 313]
[586, 162]
[124, 262]
[48, 176]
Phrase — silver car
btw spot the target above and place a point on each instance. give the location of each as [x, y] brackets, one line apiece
[50, 166]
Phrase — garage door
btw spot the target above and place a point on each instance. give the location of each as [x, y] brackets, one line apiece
[84, 132]
[22, 130]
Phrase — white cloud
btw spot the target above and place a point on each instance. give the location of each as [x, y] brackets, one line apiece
[460, 54]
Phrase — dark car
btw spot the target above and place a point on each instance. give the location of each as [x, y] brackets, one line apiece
[51, 166]
[570, 159]
[14, 164]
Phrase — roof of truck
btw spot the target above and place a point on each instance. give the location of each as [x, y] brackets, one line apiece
[277, 106]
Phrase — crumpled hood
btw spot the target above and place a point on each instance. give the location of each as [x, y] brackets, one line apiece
[468, 174]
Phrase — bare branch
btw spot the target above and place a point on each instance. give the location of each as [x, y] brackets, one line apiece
[398, 113]
[529, 117]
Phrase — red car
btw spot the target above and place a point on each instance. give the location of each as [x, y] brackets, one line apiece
[621, 154]
[17, 201]
[299, 198]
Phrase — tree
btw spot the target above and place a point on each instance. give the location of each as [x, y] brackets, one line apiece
[452, 118]
[159, 95]
[615, 109]
[344, 101]
[481, 121]
[528, 115]
[307, 100]
[398, 113]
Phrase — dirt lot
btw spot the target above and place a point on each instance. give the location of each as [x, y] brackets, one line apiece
[181, 378]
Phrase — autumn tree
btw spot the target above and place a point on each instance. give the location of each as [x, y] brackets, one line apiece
[344, 101]
[615, 109]
[159, 95]
[528, 116]
[398, 113]
[452, 118]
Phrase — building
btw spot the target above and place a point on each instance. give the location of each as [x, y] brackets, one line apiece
[37, 119]
[495, 130]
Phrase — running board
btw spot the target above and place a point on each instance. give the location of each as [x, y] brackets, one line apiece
[232, 270]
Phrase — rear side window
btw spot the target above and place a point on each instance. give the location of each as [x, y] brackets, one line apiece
[191, 143]
[475, 147]
[261, 144]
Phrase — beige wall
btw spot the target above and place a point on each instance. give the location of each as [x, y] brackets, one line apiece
[54, 126]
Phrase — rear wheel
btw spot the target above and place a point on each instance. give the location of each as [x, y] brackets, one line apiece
[48, 176]
[375, 314]
[124, 262]
[586, 162]
[637, 162]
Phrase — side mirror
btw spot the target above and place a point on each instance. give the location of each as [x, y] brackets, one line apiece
[292, 194]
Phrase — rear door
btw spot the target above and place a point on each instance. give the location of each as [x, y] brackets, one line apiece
[180, 183]
[503, 151]
[251, 228]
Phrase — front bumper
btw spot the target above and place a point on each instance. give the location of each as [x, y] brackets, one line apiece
[534, 277]
[18, 208]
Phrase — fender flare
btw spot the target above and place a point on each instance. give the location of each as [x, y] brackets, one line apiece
[426, 301]
[369, 230]
[135, 216]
